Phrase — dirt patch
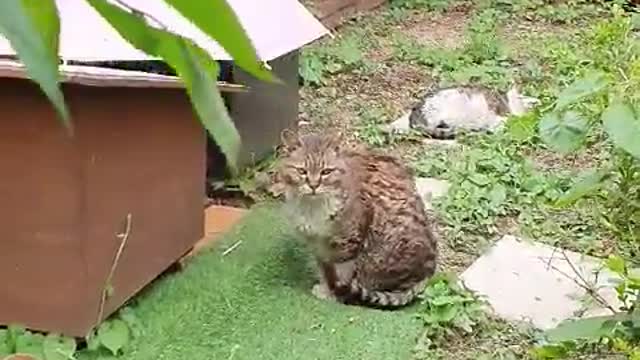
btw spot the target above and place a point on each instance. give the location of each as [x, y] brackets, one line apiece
[443, 30]
[551, 161]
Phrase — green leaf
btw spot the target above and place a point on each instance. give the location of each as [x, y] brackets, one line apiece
[93, 342]
[192, 63]
[13, 333]
[44, 15]
[497, 195]
[32, 28]
[218, 20]
[548, 352]
[592, 328]
[522, 128]
[563, 132]
[312, 70]
[623, 127]
[635, 21]
[114, 335]
[587, 184]
[5, 347]
[581, 88]
[616, 264]
[31, 344]
[480, 179]
[57, 347]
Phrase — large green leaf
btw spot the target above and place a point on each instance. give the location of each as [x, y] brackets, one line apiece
[56, 347]
[114, 335]
[623, 127]
[218, 20]
[592, 328]
[581, 88]
[43, 14]
[5, 347]
[587, 184]
[32, 28]
[522, 128]
[192, 63]
[564, 132]
[32, 344]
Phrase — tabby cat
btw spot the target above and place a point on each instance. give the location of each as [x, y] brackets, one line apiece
[361, 215]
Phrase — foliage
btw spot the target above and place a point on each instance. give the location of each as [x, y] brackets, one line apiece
[447, 307]
[345, 55]
[33, 29]
[430, 5]
[600, 106]
[481, 61]
[110, 339]
[490, 180]
[618, 333]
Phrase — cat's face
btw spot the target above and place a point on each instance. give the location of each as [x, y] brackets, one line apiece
[313, 165]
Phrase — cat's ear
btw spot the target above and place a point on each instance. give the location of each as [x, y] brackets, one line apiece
[290, 140]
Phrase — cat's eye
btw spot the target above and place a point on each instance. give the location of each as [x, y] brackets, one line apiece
[326, 172]
[302, 171]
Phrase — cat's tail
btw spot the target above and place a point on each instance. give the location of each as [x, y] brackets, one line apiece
[385, 299]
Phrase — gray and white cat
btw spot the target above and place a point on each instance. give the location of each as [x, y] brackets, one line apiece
[445, 112]
[363, 219]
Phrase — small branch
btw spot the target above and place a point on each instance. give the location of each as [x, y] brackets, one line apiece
[231, 248]
[106, 290]
[581, 282]
[141, 13]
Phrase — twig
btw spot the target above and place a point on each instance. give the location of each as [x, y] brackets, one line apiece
[582, 282]
[139, 12]
[231, 248]
[105, 291]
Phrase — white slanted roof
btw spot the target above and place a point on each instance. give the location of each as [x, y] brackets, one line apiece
[106, 77]
[275, 27]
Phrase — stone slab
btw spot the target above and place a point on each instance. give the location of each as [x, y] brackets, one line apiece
[430, 189]
[536, 283]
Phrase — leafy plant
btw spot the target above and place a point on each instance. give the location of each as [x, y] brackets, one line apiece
[345, 55]
[619, 332]
[33, 27]
[110, 339]
[447, 307]
[430, 5]
[602, 104]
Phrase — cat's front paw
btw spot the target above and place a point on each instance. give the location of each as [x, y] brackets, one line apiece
[322, 292]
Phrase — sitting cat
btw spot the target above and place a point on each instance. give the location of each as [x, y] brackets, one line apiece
[362, 217]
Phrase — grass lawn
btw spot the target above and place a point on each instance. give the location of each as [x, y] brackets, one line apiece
[255, 303]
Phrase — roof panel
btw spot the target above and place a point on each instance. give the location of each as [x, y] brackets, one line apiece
[275, 27]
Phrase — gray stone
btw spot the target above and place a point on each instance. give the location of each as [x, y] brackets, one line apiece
[430, 189]
[537, 283]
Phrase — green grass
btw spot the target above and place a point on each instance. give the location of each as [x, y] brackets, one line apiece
[255, 303]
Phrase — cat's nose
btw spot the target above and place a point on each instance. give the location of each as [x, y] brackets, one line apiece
[313, 185]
